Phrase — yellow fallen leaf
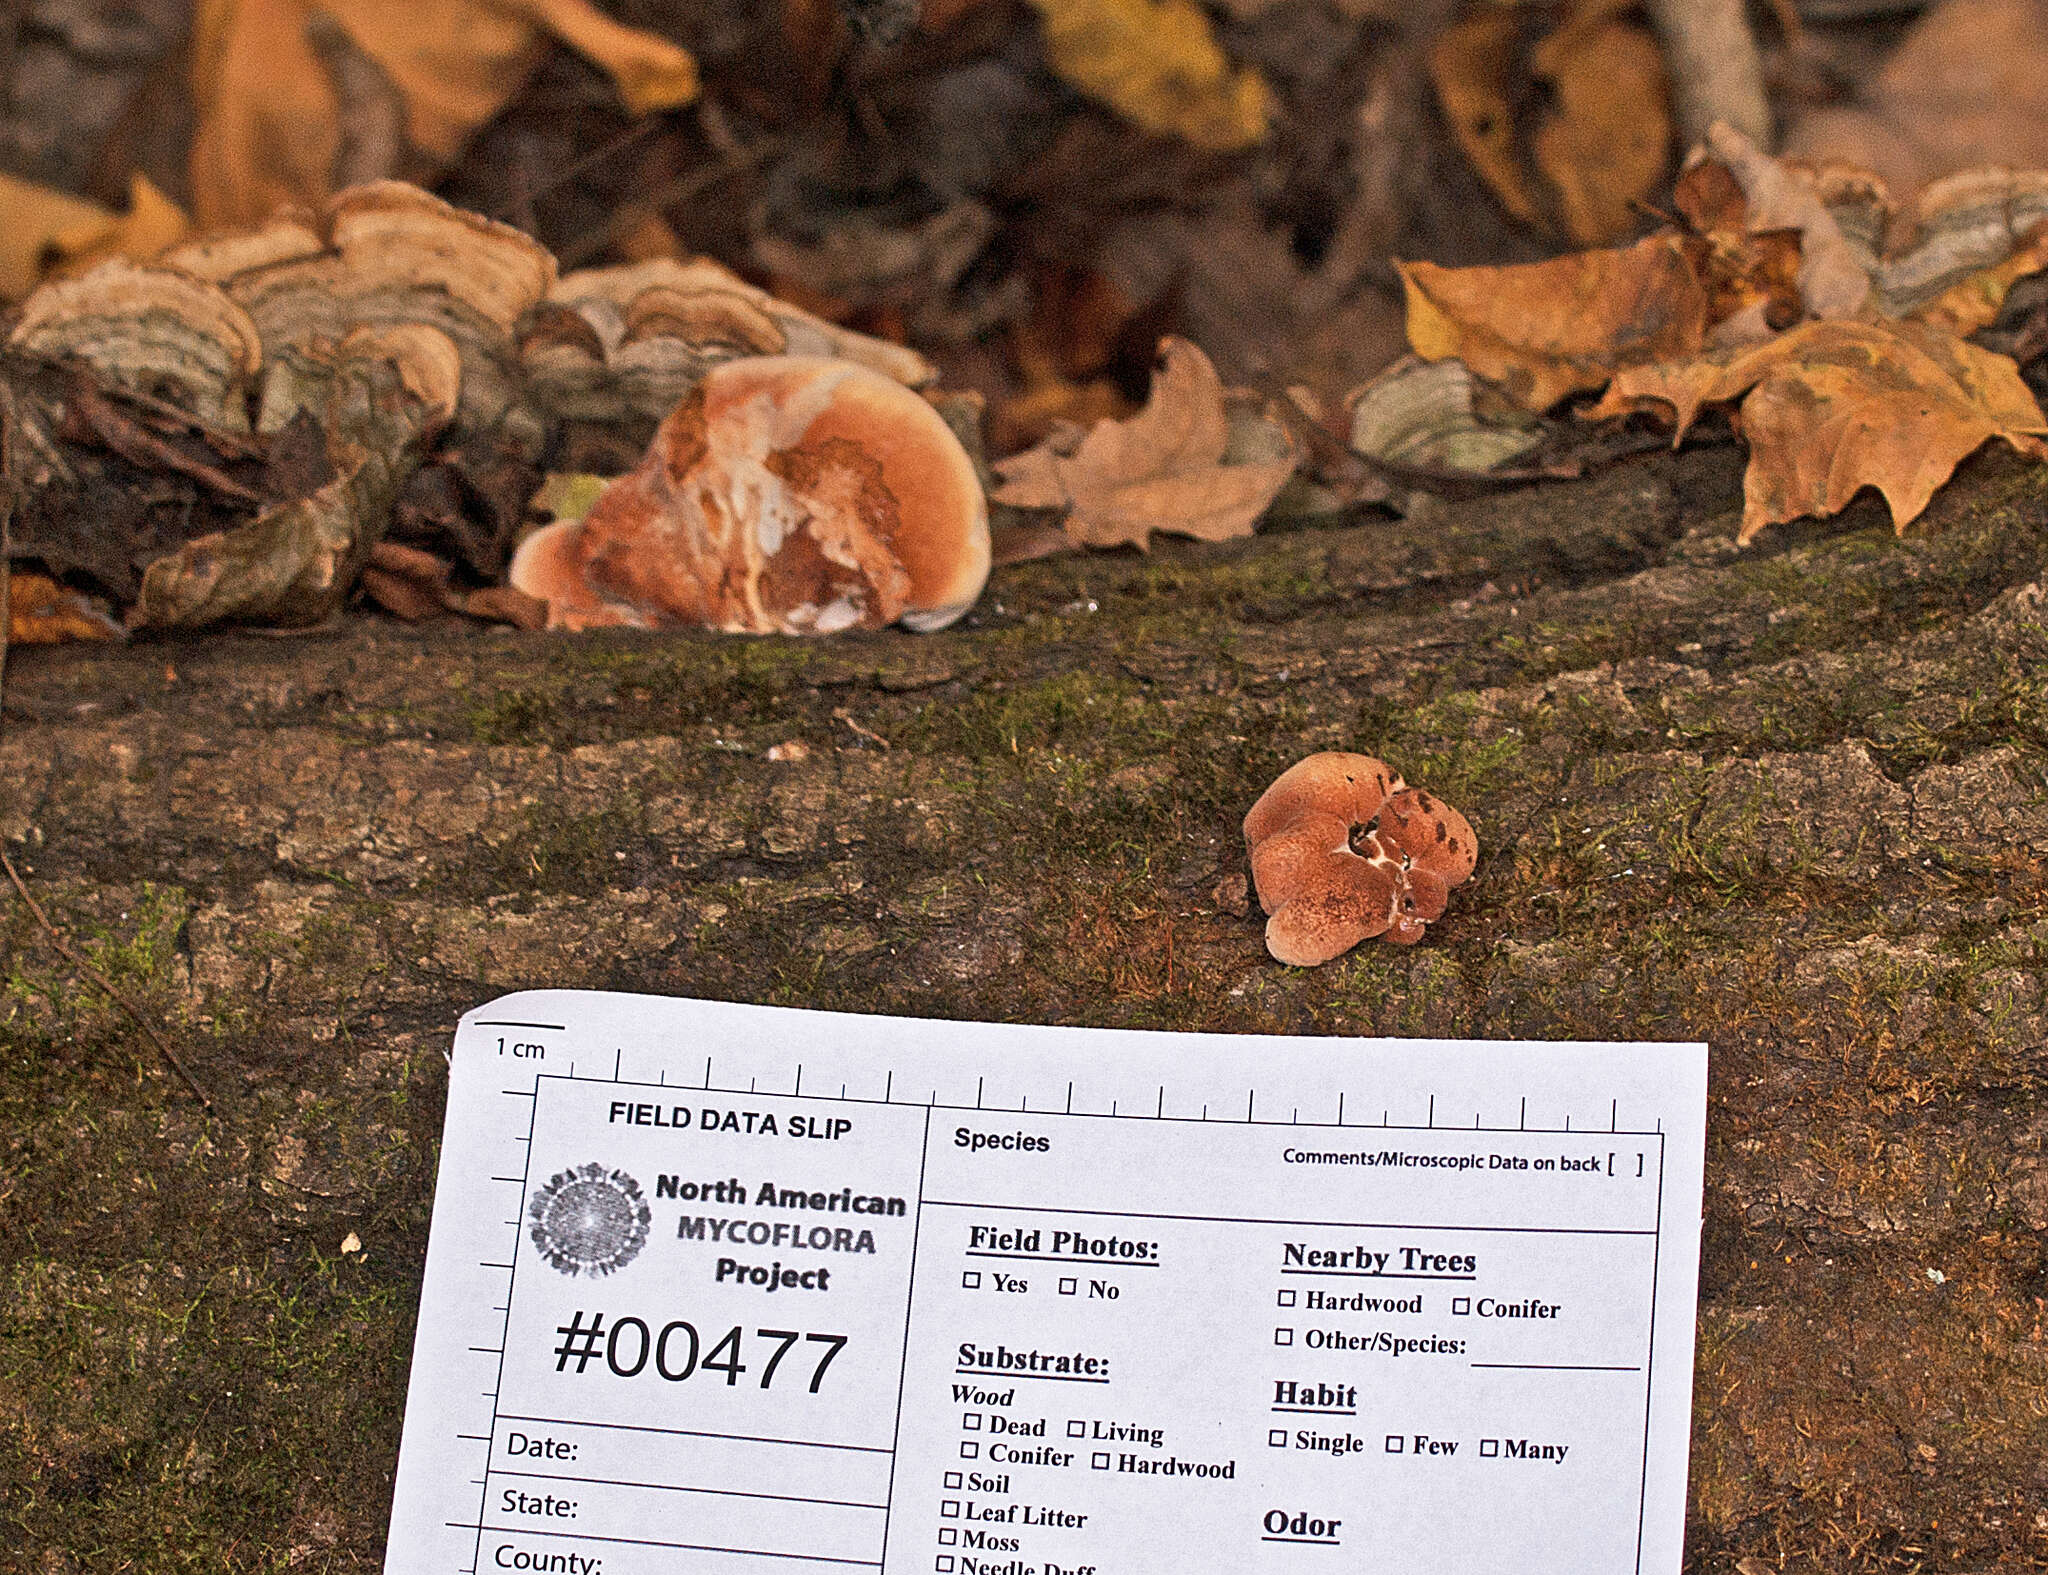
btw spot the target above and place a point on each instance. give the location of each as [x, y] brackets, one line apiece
[1835, 406]
[270, 120]
[1156, 63]
[1545, 330]
[42, 230]
[40, 611]
[152, 225]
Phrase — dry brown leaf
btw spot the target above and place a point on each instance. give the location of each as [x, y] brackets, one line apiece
[41, 611]
[1156, 63]
[1834, 279]
[270, 117]
[1165, 469]
[1473, 66]
[1545, 330]
[1605, 147]
[1832, 407]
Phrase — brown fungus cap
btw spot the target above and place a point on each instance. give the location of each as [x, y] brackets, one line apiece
[785, 494]
[1343, 851]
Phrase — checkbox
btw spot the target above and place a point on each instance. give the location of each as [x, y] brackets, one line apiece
[971, 1422]
[948, 1536]
[1393, 1443]
[1077, 1430]
[953, 1480]
[1283, 1337]
[1069, 1287]
[1462, 1306]
[1489, 1447]
[950, 1507]
[945, 1564]
[970, 1451]
[1100, 1460]
[1286, 1299]
[971, 1280]
[1277, 1438]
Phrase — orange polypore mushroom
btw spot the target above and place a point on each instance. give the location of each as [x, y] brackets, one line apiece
[1343, 850]
[785, 494]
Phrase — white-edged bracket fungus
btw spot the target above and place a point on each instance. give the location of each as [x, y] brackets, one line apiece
[785, 494]
[632, 340]
[1343, 850]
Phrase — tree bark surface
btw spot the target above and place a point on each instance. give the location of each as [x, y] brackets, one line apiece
[1791, 800]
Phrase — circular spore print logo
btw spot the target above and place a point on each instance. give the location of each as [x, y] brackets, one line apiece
[590, 1220]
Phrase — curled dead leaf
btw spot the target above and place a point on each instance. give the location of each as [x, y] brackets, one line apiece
[1605, 146]
[1834, 279]
[1751, 276]
[1832, 407]
[1549, 329]
[1168, 468]
[1472, 66]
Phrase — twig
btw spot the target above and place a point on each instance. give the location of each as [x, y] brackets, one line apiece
[1716, 73]
[63, 947]
[846, 716]
[576, 168]
[71, 955]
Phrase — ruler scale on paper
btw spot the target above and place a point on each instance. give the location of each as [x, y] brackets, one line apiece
[728, 1289]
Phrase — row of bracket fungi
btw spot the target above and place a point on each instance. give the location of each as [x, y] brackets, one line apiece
[808, 490]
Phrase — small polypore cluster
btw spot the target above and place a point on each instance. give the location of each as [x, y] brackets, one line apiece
[1343, 850]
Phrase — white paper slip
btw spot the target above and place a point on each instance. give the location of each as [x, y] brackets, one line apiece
[720, 1290]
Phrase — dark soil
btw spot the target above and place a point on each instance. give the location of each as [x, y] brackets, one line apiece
[1792, 801]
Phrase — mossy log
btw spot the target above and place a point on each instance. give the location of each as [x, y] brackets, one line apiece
[1791, 800]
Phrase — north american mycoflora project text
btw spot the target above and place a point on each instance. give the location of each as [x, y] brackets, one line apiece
[730, 1289]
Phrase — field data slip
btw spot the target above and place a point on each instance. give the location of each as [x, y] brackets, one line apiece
[722, 1290]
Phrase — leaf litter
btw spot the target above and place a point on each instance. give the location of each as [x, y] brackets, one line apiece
[326, 393]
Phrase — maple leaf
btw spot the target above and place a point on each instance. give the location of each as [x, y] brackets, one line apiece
[1545, 330]
[1832, 407]
[1166, 468]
